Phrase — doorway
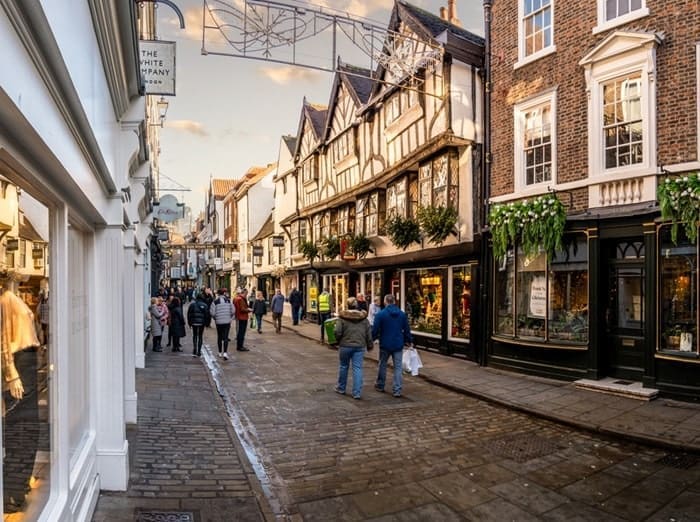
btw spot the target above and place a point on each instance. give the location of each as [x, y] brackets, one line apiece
[622, 343]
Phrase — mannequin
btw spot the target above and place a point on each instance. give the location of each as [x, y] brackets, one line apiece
[18, 349]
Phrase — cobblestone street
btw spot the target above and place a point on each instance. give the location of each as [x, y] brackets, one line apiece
[431, 455]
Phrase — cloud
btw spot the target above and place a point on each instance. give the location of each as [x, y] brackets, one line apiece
[288, 75]
[193, 127]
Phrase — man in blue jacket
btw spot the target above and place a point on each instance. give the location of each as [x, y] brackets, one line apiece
[392, 329]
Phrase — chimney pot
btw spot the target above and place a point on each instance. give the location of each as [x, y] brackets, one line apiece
[452, 13]
[443, 13]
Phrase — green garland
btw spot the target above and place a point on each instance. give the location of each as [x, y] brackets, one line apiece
[309, 250]
[360, 245]
[403, 231]
[437, 222]
[331, 247]
[679, 199]
[532, 225]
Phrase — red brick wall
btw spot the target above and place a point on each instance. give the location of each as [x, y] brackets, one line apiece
[573, 23]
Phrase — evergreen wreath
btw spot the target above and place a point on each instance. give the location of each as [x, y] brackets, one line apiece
[679, 199]
[532, 225]
[331, 247]
[309, 250]
[437, 222]
[360, 245]
[403, 231]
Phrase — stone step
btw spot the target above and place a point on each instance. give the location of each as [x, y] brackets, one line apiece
[625, 388]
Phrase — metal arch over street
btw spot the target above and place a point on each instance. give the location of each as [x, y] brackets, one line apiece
[290, 32]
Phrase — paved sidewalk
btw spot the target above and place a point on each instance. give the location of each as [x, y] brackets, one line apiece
[186, 462]
[663, 422]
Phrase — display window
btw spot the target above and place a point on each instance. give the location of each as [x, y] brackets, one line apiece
[541, 299]
[461, 298]
[25, 340]
[678, 295]
[371, 284]
[337, 285]
[423, 300]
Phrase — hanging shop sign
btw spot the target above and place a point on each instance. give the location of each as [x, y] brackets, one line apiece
[277, 241]
[11, 245]
[158, 66]
[257, 251]
[168, 209]
[37, 253]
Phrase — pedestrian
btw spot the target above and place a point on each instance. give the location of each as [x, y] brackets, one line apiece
[259, 309]
[324, 311]
[392, 329]
[295, 300]
[277, 307]
[156, 326]
[242, 311]
[208, 297]
[374, 308]
[197, 317]
[361, 303]
[353, 335]
[42, 315]
[177, 324]
[223, 312]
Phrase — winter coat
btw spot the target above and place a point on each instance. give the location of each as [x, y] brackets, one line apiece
[241, 306]
[222, 310]
[259, 307]
[156, 317]
[177, 322]
[277, 304]
[295, 298]
[198, 313]
[165, 314]
[392, 329]
[352, 329]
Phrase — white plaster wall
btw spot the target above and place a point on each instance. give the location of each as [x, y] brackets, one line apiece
[467, 109]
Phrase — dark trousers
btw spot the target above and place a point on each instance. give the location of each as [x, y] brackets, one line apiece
[295, 314]
[197, 333]
[322, 316]
[240, 335]
[222, 331]
[156, 343]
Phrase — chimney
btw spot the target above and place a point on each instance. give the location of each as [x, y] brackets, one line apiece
[443, 13]
[452, 13]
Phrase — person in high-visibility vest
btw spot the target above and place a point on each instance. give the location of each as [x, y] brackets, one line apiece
[324, 311]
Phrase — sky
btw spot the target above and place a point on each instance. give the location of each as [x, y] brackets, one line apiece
[229, 113]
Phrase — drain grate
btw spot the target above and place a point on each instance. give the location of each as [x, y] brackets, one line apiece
[165, 516]
[623, 383]
[679, 460]
[522, 447]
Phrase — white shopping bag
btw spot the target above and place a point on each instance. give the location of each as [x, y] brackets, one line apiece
[415, 363]
[406, 360]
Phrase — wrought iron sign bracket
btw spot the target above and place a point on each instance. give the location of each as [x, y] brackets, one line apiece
[170, 4]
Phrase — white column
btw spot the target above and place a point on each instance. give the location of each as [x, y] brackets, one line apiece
[109, 359]
[130, 326]
[139, 309]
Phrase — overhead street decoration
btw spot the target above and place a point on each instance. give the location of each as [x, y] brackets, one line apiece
[294, 33]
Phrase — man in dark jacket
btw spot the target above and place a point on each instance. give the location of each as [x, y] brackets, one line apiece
[197, 317]
[295, 299]
[392, 329]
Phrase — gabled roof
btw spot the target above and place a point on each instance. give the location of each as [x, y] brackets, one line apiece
[290, 142]
[251, 177]
[359, 84]
[220, 187]
[433, 24]
[315, 114]
[27, 230]
[266, 230]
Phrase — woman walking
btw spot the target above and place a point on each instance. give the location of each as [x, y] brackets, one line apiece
[353, 335]
[177, 324]
[259, 309]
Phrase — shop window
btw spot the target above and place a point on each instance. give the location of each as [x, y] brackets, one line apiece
[26, 342]
[460, 312]
[371, 286]
[544, 300]
[678, 295]
[423, 300]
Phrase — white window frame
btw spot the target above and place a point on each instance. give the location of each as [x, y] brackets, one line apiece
[620, 55]
[548, 97]
[524, 59]
[604, 25]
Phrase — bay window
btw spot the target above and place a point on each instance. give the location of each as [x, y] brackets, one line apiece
[438, 182]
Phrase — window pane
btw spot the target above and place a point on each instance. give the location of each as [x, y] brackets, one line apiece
[424, 300]
[461, 302]
[568, 305]
[505, 278]
[678, 294]
[532, 295]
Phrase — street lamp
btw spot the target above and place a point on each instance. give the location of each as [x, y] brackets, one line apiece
[162, 106]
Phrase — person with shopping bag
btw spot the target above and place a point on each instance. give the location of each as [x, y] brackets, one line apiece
[392, 329]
